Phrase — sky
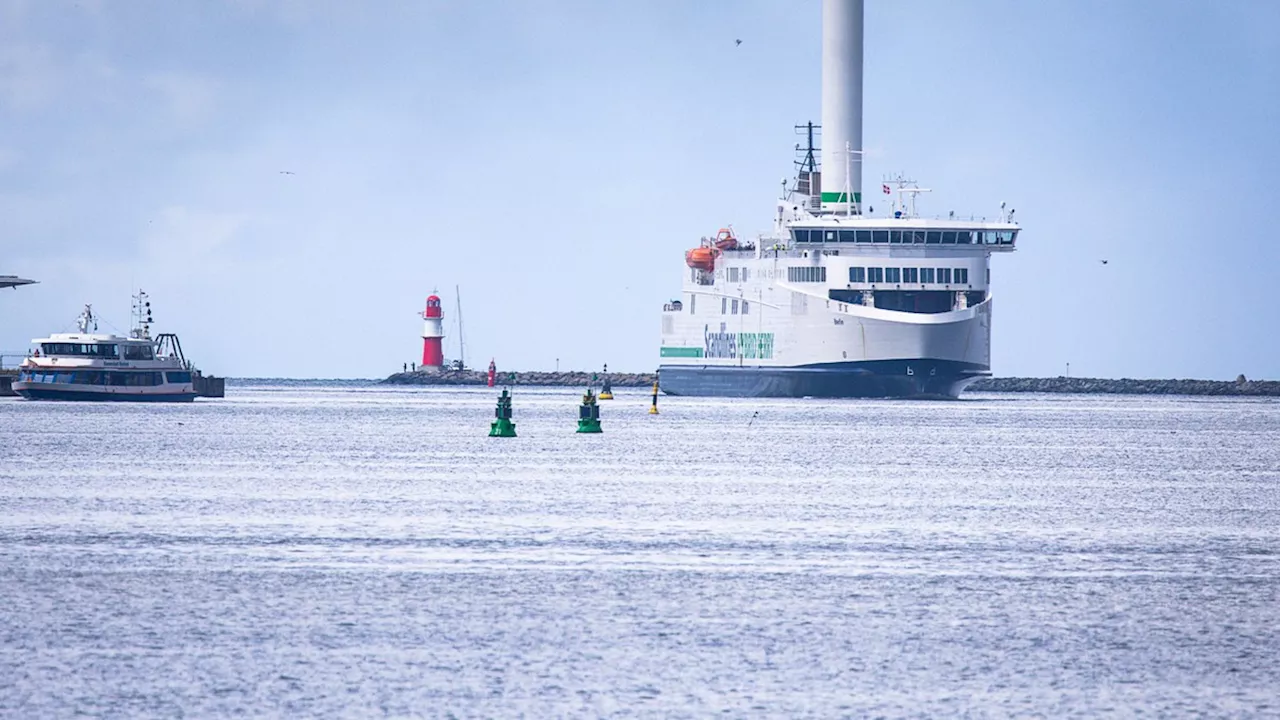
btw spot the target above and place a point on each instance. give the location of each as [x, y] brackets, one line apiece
[289, 179]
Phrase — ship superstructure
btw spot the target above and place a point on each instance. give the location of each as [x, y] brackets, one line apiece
[835, 301]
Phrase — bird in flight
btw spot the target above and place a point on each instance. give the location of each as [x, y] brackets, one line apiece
[287, 172]
[737, 43]
[1104, 262]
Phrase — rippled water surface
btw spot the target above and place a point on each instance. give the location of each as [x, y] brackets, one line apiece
[360, 551]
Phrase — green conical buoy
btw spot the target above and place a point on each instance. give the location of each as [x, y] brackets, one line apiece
[589, 414]
[502, 425]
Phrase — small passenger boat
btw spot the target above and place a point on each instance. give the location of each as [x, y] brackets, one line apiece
[86, 365]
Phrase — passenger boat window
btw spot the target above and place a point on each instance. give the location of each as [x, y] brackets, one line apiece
[745, 307]
[1006, 237]
[944, 276]
[875, 275]
[830, 236]
[138, 352]
[949, 237]
[893, 275]
[964, 237]
[857, 274]
[933, 237]
[911, 275]
[880, 236]
[864, 236]
[895, 237]
[178, 377]
[734, 307]
[961, 276]
[724, 306]
[847, 236]
[801, 235]
[926, 276]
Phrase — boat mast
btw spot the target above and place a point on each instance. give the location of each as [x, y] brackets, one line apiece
[462, 348]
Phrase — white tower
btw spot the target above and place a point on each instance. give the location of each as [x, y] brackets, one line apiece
[842, 106]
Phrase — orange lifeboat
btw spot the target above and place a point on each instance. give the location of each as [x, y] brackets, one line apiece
[725, 239]
[702, 258]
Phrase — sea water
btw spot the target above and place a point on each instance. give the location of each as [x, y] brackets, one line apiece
[356, 550]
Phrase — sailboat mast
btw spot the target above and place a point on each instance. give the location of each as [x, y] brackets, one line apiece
[462, 348]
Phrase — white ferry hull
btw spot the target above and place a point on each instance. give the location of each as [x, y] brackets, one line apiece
[50, 391]
[844, 353]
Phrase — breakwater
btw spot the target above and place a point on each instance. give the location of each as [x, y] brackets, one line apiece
[1124, 386]
[1129, 386]
[550, 379]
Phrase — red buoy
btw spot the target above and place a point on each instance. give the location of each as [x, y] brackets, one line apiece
[493, 372]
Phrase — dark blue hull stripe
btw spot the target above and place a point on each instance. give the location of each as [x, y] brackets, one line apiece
[881, 378]
[83, 396]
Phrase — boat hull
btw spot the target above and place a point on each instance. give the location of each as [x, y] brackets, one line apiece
[38, 393]
[908, 378]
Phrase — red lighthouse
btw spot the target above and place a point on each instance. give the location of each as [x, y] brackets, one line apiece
[432, 335]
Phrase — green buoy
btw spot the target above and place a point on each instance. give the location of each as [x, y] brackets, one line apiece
[589, 414]
[502, 425]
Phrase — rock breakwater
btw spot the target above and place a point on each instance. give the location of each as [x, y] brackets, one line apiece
[1128, 386]
[549, 379]
[1124, 386]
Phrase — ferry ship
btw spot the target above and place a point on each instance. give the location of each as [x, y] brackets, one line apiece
[836, 301]
[86, 365]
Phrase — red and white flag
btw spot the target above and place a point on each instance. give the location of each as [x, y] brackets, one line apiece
[886, 189]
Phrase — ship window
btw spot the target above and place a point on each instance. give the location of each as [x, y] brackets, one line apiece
[949, 237]
[744, 274]
[846, 236]
[880, 236]
[733, 274]
[185, 377]
[933, 237]
[893, 275]
[875, 275]
[926, 276]
[911, 275]
[864, 236]
[857, 274]
[895, 237]
[800, 234]
[137, 352]
[693, 302]
[962, 276]
[735, 307]
[724, 306]
[1006, 237]
[964, 237]
[944, 276]
[829, 236]
[746, 308]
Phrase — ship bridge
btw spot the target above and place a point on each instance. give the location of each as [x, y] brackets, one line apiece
[864, 230]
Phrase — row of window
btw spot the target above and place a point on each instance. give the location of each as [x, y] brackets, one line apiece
[738, 274]
[732, 307]
[906, 237]
[909, 275]
[99, 350]
[103, 377]
[807, 273]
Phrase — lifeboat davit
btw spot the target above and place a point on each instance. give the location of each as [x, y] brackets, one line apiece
[702, 258]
